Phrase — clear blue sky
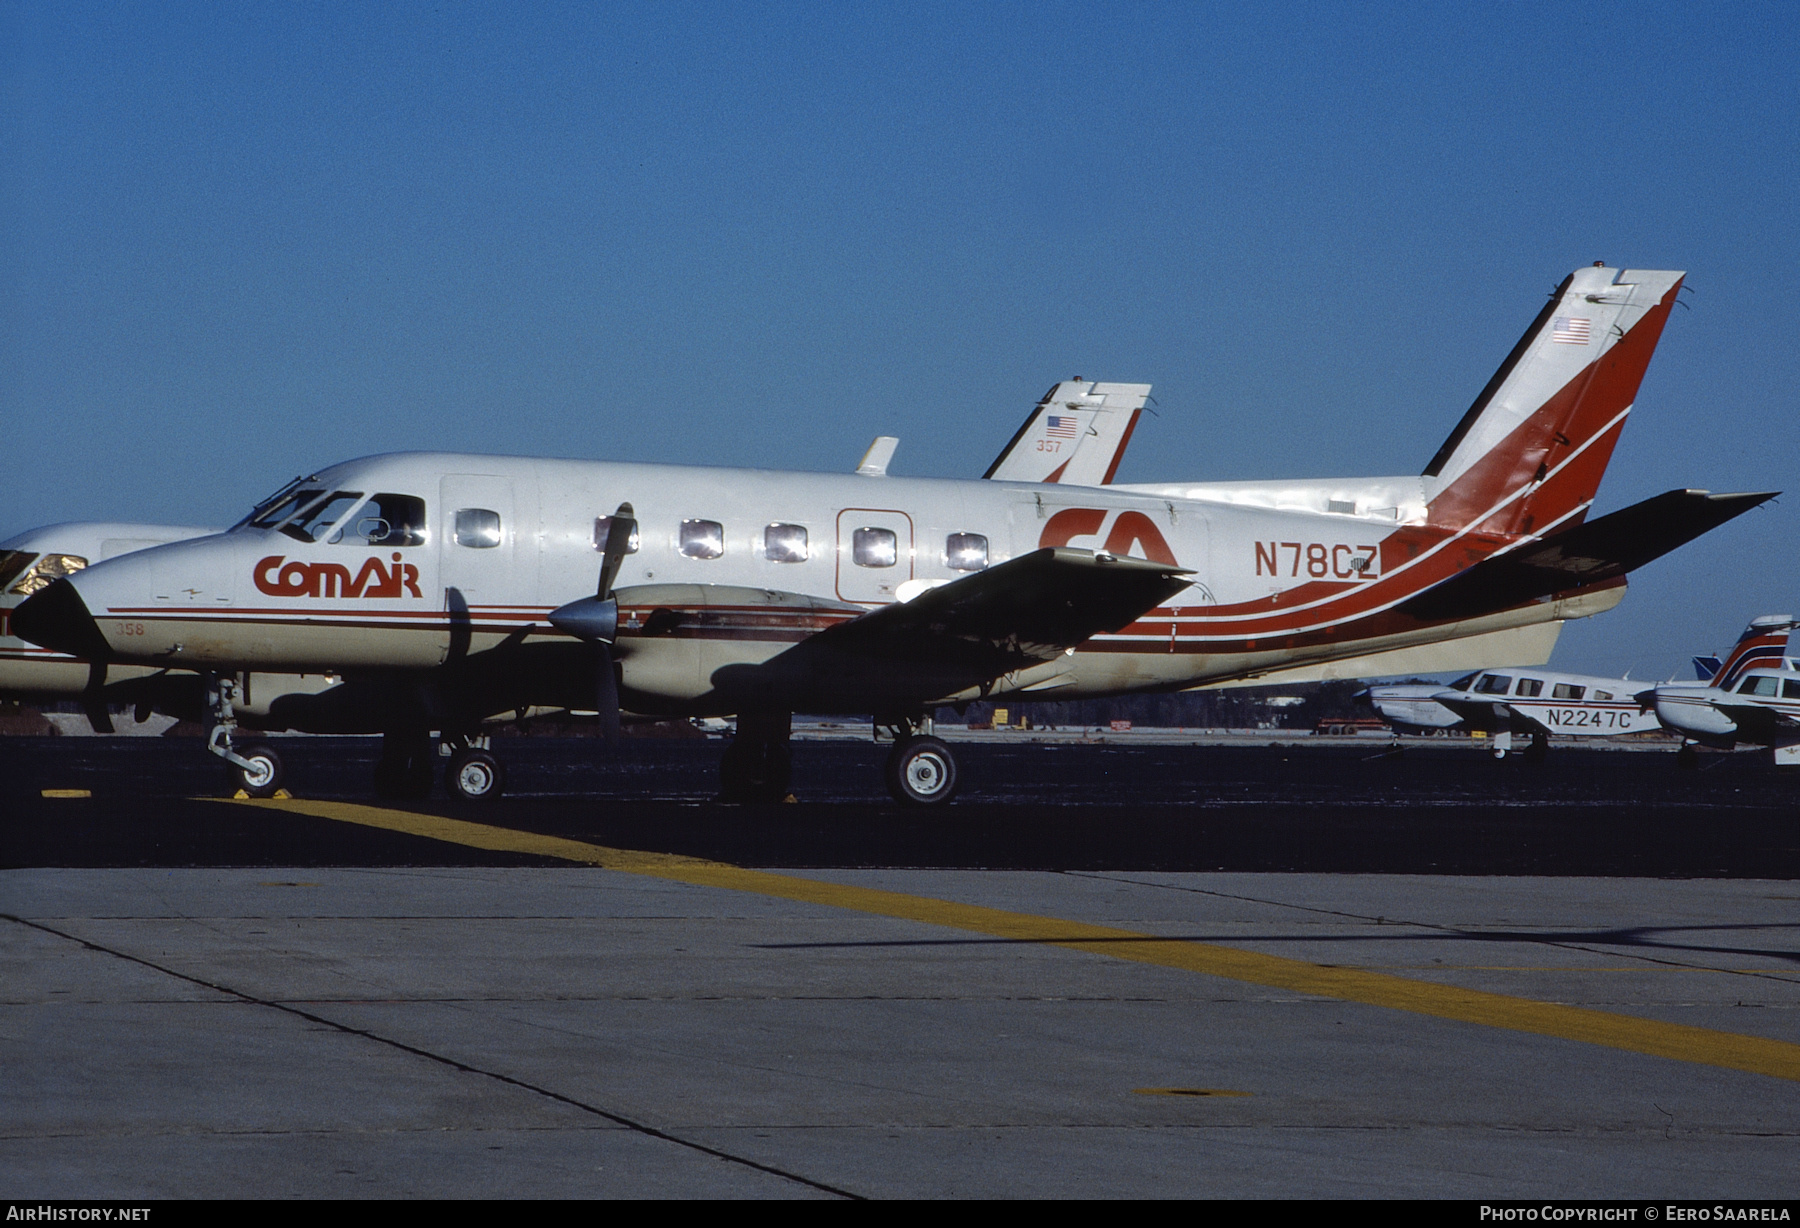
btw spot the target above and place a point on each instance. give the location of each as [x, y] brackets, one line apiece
[245, 240]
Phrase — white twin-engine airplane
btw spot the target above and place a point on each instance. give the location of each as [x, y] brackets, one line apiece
[1506, 702]
[438, 591]
[1753, 697]
[1076, 433]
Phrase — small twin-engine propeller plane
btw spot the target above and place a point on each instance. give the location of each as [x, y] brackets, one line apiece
[1753, 697]
[1077, 433]
[1507, 702]
[441, 591]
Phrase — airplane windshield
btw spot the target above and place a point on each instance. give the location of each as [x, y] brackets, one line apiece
[279, 498]
[12, 562]
[312, 525]
[1494, 684]
[1462, 683]
[284, 509]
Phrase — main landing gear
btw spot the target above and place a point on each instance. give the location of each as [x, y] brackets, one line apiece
[404, 770]
[256, 769]
[474, 774]
[759, 763]
[920, 769]
[1536, 752]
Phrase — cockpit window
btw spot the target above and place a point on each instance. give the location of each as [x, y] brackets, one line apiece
[1494, 684]
[12, 562]
[45, 571]
[387, 520]
[272, 514]
[259, 514]
[1760, 685]
[1462, 683]
[313, 524]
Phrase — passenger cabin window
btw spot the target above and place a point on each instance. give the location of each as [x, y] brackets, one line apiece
[702, 539]
[1763, 685]
[478, 528]
[1602, 695]
[874, 547]
[1530, 688]
[965, 552]
[1493, 684]
[317, 521]
[603, 530]
[1563, 690]
[388, 520]
[785, 543]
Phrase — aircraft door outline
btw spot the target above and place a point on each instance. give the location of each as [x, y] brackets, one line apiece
[865, 571]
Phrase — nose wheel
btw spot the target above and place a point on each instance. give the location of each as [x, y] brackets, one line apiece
[921, 771]
[258, 771]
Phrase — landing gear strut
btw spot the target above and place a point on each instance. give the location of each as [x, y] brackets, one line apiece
[256, 769]
[920, 770]
[758, 764]
[1539, 750]
[404, 771]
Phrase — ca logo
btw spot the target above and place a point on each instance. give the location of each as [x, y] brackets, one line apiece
[1133, 533]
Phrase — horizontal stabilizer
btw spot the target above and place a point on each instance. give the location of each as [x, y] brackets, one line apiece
[1596, 552]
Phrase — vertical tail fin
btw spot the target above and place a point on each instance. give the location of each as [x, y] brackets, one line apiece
[1764, 642]
[1529, 454]
[1075, 435]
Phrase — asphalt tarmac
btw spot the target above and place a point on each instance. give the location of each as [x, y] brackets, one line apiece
[1318, 970]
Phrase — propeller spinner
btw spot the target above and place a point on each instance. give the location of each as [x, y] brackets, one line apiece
[596, 618]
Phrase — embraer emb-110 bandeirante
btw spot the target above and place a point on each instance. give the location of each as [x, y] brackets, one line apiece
[1076, 433]
[1505, 702]
[441, 591]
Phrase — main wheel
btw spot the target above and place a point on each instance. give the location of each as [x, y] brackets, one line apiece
[1687, 758]
[921, 772]
[475, 775]
[1538, 751]
[405, 767]
[264, 775]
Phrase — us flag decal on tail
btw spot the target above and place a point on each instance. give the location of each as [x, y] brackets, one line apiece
[1571, 330]
[1060, 427]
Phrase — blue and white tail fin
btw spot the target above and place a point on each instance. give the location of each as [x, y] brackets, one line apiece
[1076, 435]
[1764, 643]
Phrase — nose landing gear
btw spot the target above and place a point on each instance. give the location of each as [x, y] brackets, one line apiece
[256, 769]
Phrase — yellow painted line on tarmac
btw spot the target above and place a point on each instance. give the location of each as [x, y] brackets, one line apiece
[67, 792]
[1681, 1042]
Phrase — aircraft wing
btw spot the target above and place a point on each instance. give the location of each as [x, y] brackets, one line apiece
[1016, 613]
[957, 636]
[1597, 552]
[1755, 722]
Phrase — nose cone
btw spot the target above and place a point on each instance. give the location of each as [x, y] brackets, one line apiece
[57, 618]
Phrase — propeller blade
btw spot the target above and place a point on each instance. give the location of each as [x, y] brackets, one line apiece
[618, 543]
[606, 696]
